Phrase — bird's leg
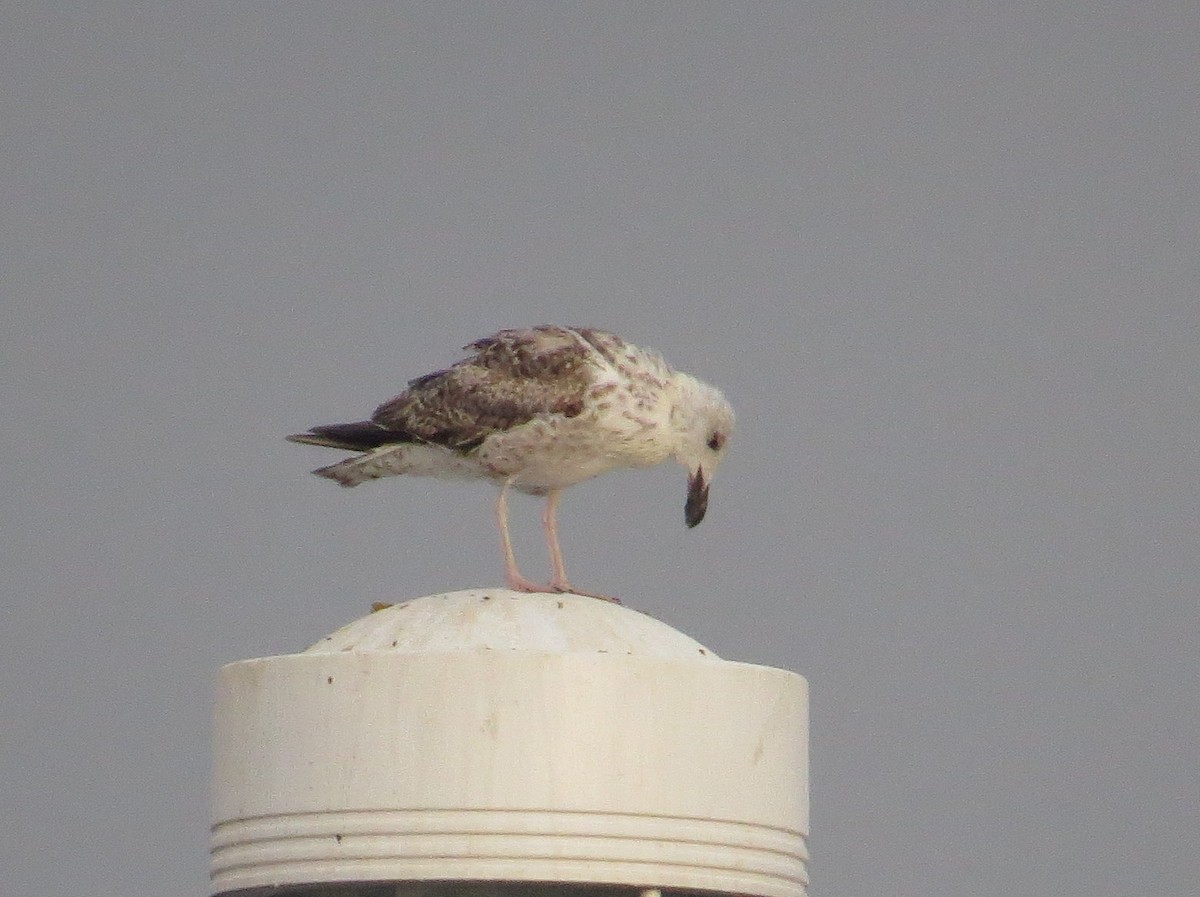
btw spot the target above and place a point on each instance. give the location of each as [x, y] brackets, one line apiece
[559, 581]
[512, 575]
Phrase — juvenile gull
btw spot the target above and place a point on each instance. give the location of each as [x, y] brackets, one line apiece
[538, 410]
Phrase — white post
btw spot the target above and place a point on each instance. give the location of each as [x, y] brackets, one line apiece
[493, 736]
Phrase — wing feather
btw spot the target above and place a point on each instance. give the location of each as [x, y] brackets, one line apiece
[513, 377]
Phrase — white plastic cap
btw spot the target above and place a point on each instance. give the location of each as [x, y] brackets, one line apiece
[497, 736]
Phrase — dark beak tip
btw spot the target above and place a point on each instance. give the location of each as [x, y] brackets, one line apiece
[697, 501]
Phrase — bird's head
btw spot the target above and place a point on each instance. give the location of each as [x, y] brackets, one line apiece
[703, 423]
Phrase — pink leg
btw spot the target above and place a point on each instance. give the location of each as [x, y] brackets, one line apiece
[559, 581]
[512, 575]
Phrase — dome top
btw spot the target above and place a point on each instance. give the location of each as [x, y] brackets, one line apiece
[475, 620]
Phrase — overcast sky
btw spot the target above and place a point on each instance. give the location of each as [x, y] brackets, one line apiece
[941, 256]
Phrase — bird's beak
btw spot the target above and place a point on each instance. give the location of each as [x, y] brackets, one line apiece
[697, 498]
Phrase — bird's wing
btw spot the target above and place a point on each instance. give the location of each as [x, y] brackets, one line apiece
[513, 377]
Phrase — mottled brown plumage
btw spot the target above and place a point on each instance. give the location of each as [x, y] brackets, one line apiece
[510, 380]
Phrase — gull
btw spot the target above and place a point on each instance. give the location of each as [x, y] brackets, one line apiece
[537, 410]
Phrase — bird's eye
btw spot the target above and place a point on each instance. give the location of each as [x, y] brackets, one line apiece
[715, 441]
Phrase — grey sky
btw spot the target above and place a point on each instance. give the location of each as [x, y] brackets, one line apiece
[942, 257]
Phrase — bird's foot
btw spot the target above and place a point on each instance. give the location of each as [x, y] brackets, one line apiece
[567, 589]
[521, 584]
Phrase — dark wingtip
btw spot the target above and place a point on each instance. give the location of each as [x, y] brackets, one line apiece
[359, 436]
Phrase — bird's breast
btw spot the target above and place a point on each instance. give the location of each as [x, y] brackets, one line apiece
[547, 454]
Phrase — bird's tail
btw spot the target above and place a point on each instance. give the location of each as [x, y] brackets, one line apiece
[384, 451]
[363, 468]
